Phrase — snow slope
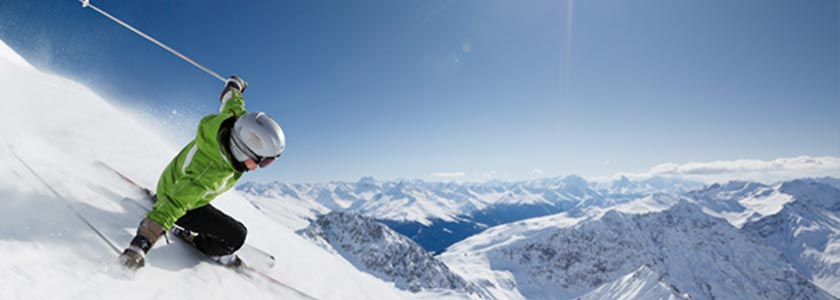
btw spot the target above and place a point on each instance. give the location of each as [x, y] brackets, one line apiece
[282, 203]
[58, 128]
[643, 283]
[740, 202]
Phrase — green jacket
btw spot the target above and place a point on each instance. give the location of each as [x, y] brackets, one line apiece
[202, 170]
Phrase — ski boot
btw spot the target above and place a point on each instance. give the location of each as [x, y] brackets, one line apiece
[184, 234]
[231, 261]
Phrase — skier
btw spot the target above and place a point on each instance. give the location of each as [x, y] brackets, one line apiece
[226, 145]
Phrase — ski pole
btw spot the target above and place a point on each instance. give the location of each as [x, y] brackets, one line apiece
[86, 3]
[78, 214]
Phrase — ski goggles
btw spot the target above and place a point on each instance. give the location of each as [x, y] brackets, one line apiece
[265, 161]
[261, 161]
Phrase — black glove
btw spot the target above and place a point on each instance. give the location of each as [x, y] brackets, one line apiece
[234, 83]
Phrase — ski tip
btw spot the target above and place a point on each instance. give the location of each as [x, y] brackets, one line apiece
[100, 163]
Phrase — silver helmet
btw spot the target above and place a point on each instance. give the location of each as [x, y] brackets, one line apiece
[257, 136]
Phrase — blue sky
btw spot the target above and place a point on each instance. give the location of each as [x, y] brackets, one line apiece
[492, 87]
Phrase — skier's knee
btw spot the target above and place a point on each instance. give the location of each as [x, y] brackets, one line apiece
[239, 238]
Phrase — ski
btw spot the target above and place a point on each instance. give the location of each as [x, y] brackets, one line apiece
[251, 257]
[147, 192]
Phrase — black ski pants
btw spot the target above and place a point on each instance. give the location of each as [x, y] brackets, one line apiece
[218, 233]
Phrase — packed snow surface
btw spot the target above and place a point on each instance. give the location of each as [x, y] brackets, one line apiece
[58, 128]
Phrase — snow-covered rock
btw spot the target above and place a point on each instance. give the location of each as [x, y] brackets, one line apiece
[641, 284]
[696, 255]
[806, 231]
[740, 201]
[375, 248]
[623, 187]
[835, 182]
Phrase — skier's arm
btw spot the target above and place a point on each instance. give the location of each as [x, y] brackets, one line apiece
[231, 98]
[187, 191]
[199, 178]
[232, 102]
[168, 209]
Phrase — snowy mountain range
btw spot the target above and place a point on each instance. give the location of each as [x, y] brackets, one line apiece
[799, 218]
[422, 201]
[806, 231]
[624, 187]
[740, 202]
[668, 247]
[438, 214]
[680, 252]
[625, 239]
[377, 249]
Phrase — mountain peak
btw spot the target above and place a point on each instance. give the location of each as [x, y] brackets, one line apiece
[812, 193]
[575, 180]
[643, 283]
[683, 212]
[374, 248]
[620, 182]
[367, 180]
[687, 247]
